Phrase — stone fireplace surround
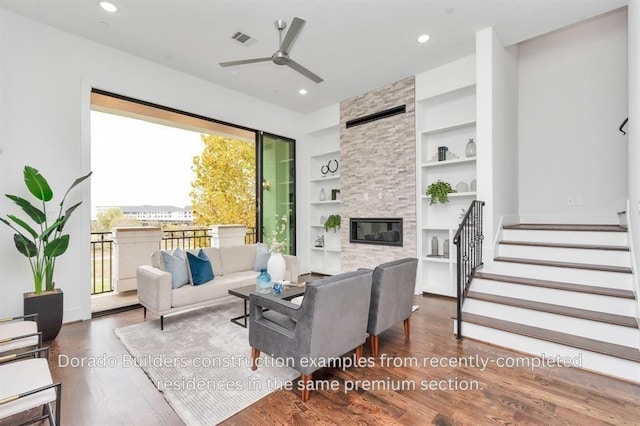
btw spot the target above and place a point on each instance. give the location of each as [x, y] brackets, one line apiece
[378, 173]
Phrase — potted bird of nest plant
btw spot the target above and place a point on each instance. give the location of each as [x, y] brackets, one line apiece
[40, 239]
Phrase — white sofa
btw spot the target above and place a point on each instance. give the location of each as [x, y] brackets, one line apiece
[232, 266]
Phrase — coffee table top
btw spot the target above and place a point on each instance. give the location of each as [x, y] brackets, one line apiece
[289, 292]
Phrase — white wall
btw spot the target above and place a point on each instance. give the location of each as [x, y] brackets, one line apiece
[45, 80]
[573, 97]
[633, 214]
[497, 117]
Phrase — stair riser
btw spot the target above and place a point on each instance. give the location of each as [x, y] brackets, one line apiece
[567, 237]
[593, 302]
[589, 256]
[570, 275]
[624, 369]
[619, 335]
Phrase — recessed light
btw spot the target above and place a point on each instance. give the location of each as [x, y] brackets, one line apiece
[303, 91]
[423, 38]
[109, 7]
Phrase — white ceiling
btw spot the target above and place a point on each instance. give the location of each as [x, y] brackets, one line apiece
[355, 45]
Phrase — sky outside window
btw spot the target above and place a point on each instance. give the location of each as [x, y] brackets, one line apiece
[135, 162]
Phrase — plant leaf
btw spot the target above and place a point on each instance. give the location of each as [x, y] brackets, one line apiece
[73, 185]
[47, 232]
[57, 247]
[22, 223]
[34, 213]
[37, 184]
[24, 245]
[66, 216]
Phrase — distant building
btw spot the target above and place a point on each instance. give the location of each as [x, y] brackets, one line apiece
[153, 213]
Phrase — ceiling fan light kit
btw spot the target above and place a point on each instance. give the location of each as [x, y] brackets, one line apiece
[281, 56]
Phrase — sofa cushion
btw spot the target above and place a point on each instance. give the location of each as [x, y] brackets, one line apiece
[200, 268]
[262, 257]
[243, 278]
[238, 258]
[213, 253]
[156, 260]
[176, 264]
[191, 295]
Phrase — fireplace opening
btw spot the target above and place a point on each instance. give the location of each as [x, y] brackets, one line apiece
[382, 231]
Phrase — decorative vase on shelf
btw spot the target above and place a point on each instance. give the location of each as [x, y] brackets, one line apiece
[470, 150]
[276, 267]
[474, 186]
[263, 282]
[323, 195]
[434, 246]
[462, 187]
[445, 249]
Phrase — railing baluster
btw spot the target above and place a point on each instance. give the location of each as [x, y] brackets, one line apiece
[468, 241]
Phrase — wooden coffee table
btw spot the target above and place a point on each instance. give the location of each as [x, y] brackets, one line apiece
[288, 293]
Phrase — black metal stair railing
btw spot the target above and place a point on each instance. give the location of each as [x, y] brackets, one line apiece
[468, 241]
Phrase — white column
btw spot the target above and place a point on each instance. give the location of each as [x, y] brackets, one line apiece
[227, 235]
[132, 247]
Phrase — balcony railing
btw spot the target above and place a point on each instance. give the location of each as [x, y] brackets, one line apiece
[185, 239]
[102, 251]
[101, 267]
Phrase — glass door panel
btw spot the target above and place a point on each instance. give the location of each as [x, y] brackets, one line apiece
[278, 200]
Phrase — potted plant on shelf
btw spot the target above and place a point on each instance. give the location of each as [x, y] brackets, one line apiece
[42, 244]
[332, 222]
[439, 192]
[332, 239]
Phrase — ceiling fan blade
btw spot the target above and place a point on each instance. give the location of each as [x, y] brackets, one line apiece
[292, 34]
[245, 61]
[302, 70]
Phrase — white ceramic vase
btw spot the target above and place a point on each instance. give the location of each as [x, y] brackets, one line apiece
[276, 267]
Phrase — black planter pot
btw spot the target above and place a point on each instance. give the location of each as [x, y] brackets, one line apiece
[49, 307]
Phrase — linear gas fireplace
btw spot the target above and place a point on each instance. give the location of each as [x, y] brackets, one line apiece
[383, 231]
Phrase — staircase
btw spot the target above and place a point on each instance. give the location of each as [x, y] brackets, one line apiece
[560, 290]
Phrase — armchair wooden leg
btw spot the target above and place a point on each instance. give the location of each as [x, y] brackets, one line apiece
[407, 326]
[374, 345]
[145, 313]
[306, 382]
[359, 352]
[255, 354]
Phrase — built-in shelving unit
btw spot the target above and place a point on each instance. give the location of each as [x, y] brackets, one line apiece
[325, 259]
[443, 119]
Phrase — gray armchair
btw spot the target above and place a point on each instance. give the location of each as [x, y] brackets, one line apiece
[330, 321]
[391, 297]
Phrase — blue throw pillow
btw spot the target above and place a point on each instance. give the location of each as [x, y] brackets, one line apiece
[201, 269]
[176, 264]
[262, 257]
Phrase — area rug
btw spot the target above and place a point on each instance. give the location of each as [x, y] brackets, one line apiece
[201, 362]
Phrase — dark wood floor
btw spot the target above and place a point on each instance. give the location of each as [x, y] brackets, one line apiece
[110, 396]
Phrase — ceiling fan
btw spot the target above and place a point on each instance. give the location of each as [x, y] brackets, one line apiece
[281, 56]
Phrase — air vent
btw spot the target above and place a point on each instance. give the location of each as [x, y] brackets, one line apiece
[376, 116]
[243, 38]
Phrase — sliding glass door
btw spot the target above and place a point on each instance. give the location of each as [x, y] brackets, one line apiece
[277, 199]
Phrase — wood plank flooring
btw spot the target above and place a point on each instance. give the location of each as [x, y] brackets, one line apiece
[517, 395]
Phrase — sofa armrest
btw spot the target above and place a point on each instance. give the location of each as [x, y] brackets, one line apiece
[292, 267]
[154, 289]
